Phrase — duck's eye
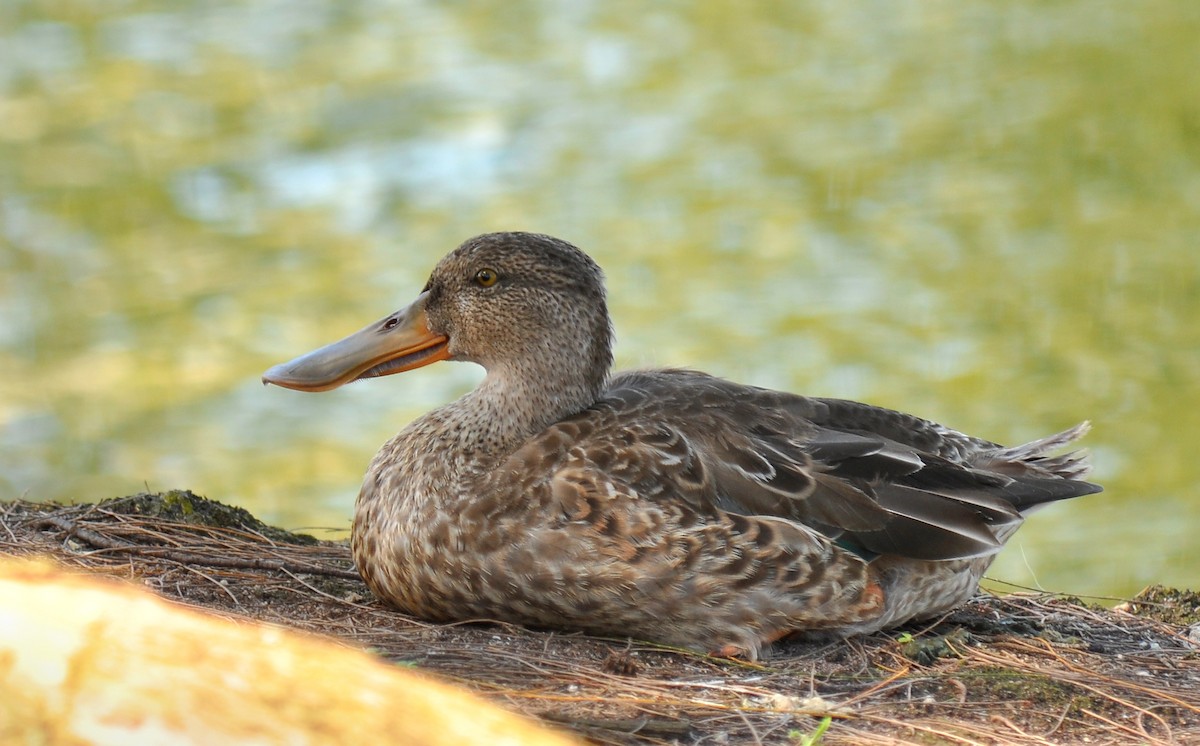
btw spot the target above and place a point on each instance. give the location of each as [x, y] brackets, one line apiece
[485, 278]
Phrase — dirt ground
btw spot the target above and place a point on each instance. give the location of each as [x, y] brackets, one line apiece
[1020, 669]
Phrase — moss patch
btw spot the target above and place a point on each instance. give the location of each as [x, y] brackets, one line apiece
[1170, 605]
[186, 506]
[1008, 685]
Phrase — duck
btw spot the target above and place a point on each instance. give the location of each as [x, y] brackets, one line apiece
[664, 505]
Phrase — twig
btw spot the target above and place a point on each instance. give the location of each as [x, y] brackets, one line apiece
[184, 556]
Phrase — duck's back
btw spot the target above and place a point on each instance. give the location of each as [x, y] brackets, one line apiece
[876, 480]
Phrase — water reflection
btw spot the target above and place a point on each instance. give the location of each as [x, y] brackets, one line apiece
[985, 215]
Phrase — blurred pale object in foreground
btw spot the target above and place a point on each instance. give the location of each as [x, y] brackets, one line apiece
[91, 661]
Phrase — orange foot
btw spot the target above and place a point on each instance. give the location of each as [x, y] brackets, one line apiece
[737, 651]
[732, 651]
[871, 604]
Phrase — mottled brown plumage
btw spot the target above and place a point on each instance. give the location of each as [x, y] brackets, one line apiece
[667, 505]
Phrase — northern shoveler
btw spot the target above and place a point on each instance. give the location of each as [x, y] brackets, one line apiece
[666, 505]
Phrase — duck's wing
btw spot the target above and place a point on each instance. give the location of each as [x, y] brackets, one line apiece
[1026, 476]
[876, 481]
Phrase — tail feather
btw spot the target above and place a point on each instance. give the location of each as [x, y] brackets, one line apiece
[955, 510]
[1038, 477]
[1032, 459]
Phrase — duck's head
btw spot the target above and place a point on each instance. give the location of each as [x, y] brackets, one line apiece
[522, 305]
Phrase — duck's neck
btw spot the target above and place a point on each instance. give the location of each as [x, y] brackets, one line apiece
[511, 405]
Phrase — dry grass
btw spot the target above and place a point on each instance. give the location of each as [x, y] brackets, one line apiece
[1015, 670]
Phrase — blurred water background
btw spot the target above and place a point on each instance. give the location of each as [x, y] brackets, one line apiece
[987, 214]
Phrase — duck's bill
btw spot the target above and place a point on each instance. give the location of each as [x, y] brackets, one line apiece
[394, 344]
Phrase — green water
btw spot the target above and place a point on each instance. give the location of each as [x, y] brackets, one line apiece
[983, 213]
